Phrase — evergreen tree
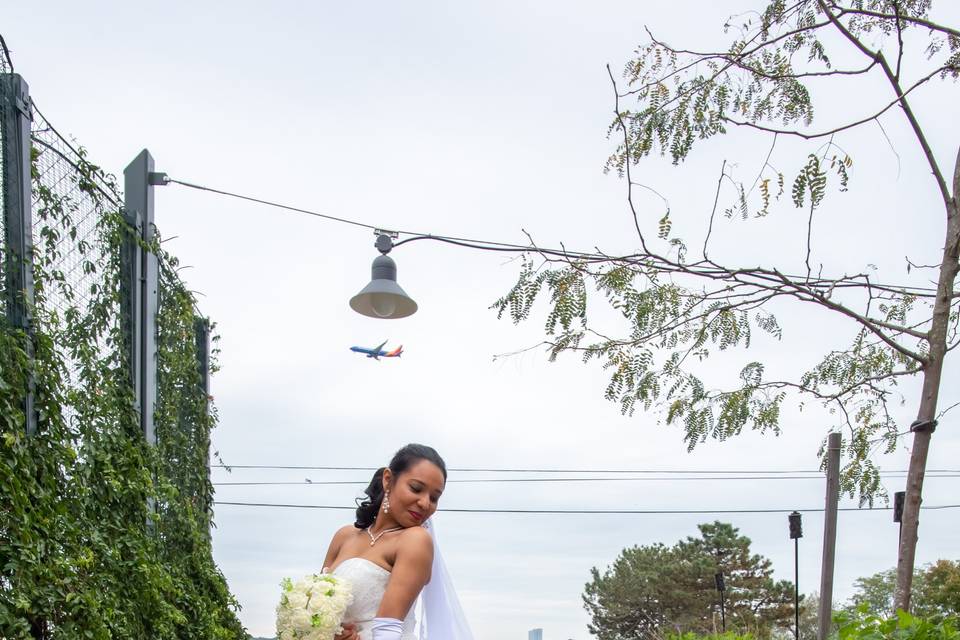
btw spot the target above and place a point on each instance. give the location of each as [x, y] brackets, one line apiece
[651, 590]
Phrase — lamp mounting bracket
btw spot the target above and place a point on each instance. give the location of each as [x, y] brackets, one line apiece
[385, 240]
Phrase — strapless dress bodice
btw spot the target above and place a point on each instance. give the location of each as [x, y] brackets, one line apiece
[369, 582]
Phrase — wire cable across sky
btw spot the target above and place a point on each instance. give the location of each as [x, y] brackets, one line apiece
[751, 472]
[485, 245]
[588, 511]
[309, 482]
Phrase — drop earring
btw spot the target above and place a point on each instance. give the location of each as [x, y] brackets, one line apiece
[386, 501]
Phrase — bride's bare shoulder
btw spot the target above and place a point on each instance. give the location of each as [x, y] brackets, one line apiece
[417, 539]
[344, 532]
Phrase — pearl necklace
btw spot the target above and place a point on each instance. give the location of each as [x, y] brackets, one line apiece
[374, 538]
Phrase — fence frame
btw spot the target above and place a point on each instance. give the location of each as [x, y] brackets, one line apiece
[139, 265]
[202, 330]
[18, 222]
[139, 288]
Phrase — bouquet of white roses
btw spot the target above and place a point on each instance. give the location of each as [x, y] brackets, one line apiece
[312, 608]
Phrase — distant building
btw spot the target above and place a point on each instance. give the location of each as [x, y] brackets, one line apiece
[535, 634]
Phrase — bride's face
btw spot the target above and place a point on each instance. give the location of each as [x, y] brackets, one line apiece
[415, 493]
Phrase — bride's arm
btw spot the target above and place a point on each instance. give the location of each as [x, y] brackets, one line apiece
[411, 571]
[334, 549]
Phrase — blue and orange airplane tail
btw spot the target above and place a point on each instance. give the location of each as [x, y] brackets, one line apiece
[395, 353]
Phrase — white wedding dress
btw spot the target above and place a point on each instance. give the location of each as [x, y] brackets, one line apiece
[369, 581]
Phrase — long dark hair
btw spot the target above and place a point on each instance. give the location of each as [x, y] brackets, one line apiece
[367, 508]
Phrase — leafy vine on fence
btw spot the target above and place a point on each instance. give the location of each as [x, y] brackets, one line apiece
[77, 559]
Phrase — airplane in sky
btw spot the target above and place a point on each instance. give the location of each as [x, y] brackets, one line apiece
[377, 352]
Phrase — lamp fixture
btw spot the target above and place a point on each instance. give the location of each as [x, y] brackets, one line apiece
[383, 298]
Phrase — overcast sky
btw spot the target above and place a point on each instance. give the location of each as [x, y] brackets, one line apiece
[478, 120]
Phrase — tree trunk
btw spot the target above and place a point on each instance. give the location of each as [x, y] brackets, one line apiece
[927, 413]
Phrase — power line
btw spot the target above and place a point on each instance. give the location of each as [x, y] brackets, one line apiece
[486, 245]
[585, 511]
[521, 470]
[476, 244]
[268, 203]
[309, 482]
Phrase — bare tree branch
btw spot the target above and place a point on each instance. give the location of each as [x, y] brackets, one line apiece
[851, 125]
[933, 26]
[626, 150]
[713, 212]
[899, 23]
[901, 98]
[899, 328]
[850, 313]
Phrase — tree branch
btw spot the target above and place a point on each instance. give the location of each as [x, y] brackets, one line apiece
[956, 183]
[899, 329]
[896, 9]
[933, 26]
[626, 151]
[852, 125]
[713, 211]
[865, 322]
[901, 98]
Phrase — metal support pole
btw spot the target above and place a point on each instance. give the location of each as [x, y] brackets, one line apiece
[829, 536]
[796, 532]
[18, 222]
[202, 331]
[718, 578]
[796, 589]
[141, 274]
[898, 501]
[140, 301]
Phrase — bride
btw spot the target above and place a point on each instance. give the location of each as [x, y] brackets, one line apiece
[390, 555]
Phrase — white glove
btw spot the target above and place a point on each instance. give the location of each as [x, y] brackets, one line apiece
[387, 629]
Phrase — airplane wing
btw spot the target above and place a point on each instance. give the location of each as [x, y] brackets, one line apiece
[377, 351]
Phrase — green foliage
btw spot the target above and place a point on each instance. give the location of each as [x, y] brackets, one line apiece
[680, 309]
[651, 591]
[690, 635]
[941, 593]
[670, 326]
[936, 592]
[860, 624]
[77, 557]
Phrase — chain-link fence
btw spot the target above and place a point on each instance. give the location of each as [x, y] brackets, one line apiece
[70, 199]
[83, 287]
[183, 404]
[6, 69]
[105, 415]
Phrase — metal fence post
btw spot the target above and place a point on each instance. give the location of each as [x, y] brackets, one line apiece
[130, 306]
[139, 286]
[140, 275]
[202, 332]
[18, 221]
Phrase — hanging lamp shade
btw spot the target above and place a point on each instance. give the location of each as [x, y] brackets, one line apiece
[383, 297]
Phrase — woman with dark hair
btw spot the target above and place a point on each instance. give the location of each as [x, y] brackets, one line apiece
[389, 555]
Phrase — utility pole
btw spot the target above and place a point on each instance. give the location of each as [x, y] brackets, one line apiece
[829, 536]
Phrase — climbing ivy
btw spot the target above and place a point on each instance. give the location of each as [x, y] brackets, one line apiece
[77, 557]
